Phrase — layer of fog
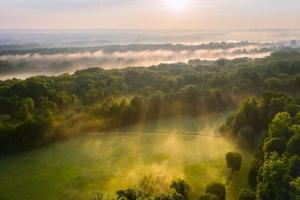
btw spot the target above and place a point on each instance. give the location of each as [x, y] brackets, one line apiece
[119, 60]
[75, 38]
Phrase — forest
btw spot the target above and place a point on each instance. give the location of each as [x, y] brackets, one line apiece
[17, 49]
[43, 109]
[55, 61]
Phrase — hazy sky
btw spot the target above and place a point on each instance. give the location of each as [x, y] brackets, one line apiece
[149, 14]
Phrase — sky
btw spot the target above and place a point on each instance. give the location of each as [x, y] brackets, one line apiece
[149, 14]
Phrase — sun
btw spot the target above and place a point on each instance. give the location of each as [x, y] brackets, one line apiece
[177, 4]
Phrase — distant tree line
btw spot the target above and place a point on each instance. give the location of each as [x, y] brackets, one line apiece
[34, 49]
[16, 66]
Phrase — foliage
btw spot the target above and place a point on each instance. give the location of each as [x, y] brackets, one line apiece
[259, 152]
[294, 166]
[246, 137]
[274, 145]
[109, 49]
[181, 187]
[129, 194]
[255, 165]
[293, 147]
[279, 127]
[247, 115]
[163, 197]
[208, 196]
[6, 67]
[275, 167]
[274, 179]
[42, 109]
[118, 97]
[259, 114]
[295, 189]
[177, 196]
[247, 194]
[152, 185]
[217, 189]
[234, 160]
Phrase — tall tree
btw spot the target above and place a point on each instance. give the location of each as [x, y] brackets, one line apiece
[181, 187]
[293, 147]
[274, 145]
[129, 194]
[279, 127]
[274, 179]
[217, 189]
[247, 194]
[234, 160]
[255, 165]
[246, 137]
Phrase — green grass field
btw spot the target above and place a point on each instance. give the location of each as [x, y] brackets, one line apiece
[80, 167]
[208, 125]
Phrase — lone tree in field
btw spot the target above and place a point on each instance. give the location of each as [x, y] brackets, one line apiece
[217, 189]
[234, 160]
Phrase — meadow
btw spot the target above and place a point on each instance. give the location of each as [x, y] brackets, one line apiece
[140, 158]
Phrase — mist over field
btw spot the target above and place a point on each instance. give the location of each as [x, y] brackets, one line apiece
[141, 160]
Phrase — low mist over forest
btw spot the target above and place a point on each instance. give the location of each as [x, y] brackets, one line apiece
[51, 52]
[68, 60]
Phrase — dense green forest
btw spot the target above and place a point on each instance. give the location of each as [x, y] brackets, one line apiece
[275, 119]
[43, 109]
[17, 50]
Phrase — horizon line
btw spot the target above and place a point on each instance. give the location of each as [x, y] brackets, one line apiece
[223, 29]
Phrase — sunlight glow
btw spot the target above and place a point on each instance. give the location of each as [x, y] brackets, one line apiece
[177, 4]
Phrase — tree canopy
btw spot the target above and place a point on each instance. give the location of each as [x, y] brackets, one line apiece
[234, 160]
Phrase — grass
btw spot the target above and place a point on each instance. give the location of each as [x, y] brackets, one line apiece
[237, 181]
[80, 167]
[208, 125]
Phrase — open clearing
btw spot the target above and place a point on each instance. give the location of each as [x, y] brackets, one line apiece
[206, 126]
[80, 167]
